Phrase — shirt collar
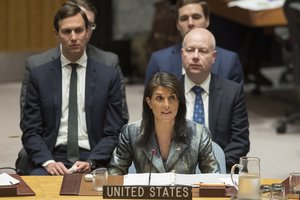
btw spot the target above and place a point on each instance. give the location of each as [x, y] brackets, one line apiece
[82, 61]
[189, 84]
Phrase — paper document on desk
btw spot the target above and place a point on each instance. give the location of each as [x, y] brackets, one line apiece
[257, 5]
[180, 179]
[7, 180]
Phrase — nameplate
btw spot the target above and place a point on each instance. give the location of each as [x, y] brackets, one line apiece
[147, 192]
[8, 191]
[212, 190]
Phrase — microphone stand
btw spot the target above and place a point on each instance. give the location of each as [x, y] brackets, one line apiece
[151, 159]
[18, 171]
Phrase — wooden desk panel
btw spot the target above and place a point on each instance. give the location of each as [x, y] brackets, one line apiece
[48, 187]
[266, 18]
[27, 25]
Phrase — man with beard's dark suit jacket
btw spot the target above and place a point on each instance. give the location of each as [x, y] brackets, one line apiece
[105, 57]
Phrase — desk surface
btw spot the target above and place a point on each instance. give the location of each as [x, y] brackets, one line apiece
[48, 187]
[266, 18]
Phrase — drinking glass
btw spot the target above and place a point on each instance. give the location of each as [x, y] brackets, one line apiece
[294, 182]
[99, 178]
[265, 192]
[277, 191]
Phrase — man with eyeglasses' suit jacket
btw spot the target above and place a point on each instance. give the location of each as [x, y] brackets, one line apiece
[102, 56]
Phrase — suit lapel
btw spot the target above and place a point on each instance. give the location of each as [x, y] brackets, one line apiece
[56, 53]
[176, 151]
[90, 84]
[175, 60]
[215, 67]
[157, 161]
[215, 98]
[56, 77]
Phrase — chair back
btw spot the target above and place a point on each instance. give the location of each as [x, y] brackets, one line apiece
[220, 157]
[22, 163]
[8, 170]
[132, 169]
[291, 10]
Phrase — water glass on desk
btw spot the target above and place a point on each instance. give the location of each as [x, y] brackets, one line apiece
[277, 191]
[265, 192]
[248, 186]
[294, 182]
[99, 178]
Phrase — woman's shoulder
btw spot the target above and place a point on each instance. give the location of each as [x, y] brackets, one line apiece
[132, 127]
[192, 124]
[134, 123]
[195, 128]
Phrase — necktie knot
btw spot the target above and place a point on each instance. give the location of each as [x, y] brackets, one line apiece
[197, 90]
[73, 66]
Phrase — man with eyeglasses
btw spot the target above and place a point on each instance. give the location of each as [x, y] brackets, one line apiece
[193, 14]
[72, 113]
[104, 57]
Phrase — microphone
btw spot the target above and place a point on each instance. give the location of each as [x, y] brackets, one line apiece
[151, 159]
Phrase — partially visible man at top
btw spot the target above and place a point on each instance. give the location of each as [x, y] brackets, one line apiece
[104, 57]
[211, 100]
[72, 112]
[193, 14]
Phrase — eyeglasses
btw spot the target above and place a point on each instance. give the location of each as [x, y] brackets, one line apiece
[92, 25]
[77, 31]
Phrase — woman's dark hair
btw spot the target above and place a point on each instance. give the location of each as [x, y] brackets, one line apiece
[163, 79]
[181, 3]
[69, 10]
